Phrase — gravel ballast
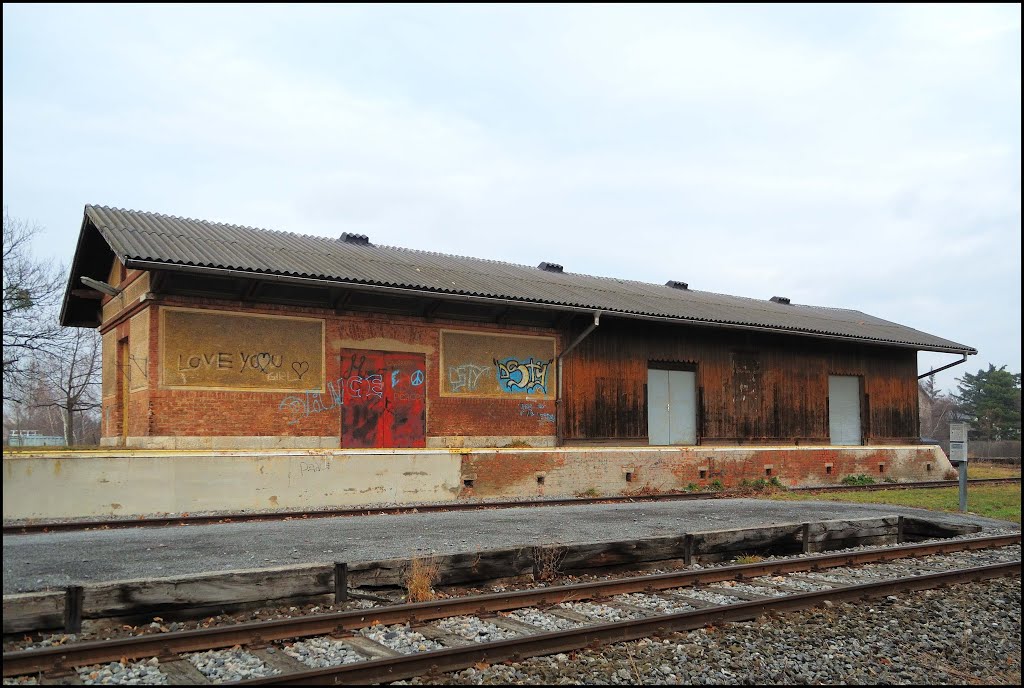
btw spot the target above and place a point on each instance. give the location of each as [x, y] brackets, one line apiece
[230, 665]
[321, 652]
[898, 639]
[966, 633]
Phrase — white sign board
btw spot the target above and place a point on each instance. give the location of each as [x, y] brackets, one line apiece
[958, 432]
[958, 451]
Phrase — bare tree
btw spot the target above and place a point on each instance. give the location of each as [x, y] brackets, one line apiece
[32, 290]
[25, 415]
[936, 410]
[70, 372]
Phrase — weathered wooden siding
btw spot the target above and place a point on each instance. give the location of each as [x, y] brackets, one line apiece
[751, 387]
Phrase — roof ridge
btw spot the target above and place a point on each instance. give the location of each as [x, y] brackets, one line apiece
[204, 222]
[147, 236]
[441, 254]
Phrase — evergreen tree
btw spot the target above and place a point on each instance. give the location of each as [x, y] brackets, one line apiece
[991, 402]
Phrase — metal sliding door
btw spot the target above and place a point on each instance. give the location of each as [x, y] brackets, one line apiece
[844, 409]
[671, 407]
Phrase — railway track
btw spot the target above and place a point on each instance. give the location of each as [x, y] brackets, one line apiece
[67, 526]
[401, 641]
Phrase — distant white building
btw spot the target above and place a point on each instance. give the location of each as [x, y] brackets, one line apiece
[32, 438]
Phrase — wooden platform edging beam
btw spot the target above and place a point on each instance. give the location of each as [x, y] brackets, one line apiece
[228, 591]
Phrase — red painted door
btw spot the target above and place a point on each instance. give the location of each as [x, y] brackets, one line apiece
[384, 399]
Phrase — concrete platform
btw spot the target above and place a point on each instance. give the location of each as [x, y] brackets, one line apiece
[48, 561]
[54, 484]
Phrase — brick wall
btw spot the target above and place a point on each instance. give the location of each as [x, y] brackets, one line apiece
[158, 412]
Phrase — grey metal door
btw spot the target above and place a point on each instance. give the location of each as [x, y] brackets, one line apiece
[671, 406]
[682, 391]
[844, 409]
[657, 407]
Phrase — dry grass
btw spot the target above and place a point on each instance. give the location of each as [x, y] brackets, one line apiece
[420, 578]
[760, 486]
[749, 559]
[643, 491]
[547, 562]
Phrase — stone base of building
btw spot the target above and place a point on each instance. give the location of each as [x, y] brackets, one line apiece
[129, 482]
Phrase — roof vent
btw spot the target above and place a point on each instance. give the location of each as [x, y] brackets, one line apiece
[360, 239]
[780, 299]
[550, 267]
[677, 285]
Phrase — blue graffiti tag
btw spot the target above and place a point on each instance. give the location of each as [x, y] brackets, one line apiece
[530, 409]
[523, 377]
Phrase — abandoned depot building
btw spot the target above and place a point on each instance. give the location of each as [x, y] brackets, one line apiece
[516, 379]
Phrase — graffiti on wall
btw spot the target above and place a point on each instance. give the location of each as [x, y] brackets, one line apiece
[496, 365]
[208, 349]
[351, 390]
[531, 409]
[523, 377]
[465, 377]
[380, 400]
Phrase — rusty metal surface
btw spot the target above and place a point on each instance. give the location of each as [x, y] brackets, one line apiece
[452, 659]
[166, 644]
[143, 238]
[70, 526]
[383, 399]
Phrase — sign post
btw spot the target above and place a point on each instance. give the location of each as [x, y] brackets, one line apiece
[958, 457]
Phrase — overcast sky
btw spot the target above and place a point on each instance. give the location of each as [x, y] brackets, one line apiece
[862, 157]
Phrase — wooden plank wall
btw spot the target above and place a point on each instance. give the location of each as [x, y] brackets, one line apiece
[752, 387]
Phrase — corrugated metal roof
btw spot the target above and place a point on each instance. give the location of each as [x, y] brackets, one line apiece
[142, 236]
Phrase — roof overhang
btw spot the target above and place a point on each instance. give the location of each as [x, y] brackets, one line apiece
[93, 257]
[449, 296]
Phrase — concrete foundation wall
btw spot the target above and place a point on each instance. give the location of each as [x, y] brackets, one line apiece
[125, 482]
[313, 442]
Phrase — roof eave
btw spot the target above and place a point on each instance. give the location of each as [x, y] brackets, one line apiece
[143, 264]
[73, 275]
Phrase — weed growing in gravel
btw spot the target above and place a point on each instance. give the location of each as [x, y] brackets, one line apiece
[589, 492]
[859, 479]
[716, 486]
[749, 559]
[760, 486]
[642, 491]
[420, 578]
[547, 562]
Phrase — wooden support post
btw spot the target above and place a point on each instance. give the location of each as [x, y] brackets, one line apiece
[687, 549]
[899, 530]
[805, 535]
[73, 597]
[340, 582]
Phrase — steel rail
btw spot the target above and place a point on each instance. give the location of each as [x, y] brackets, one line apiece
[55, 527]
[452, 659]
[170, 644]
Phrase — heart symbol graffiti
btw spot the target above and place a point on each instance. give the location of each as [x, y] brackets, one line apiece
[300, 368]
[263, 360]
